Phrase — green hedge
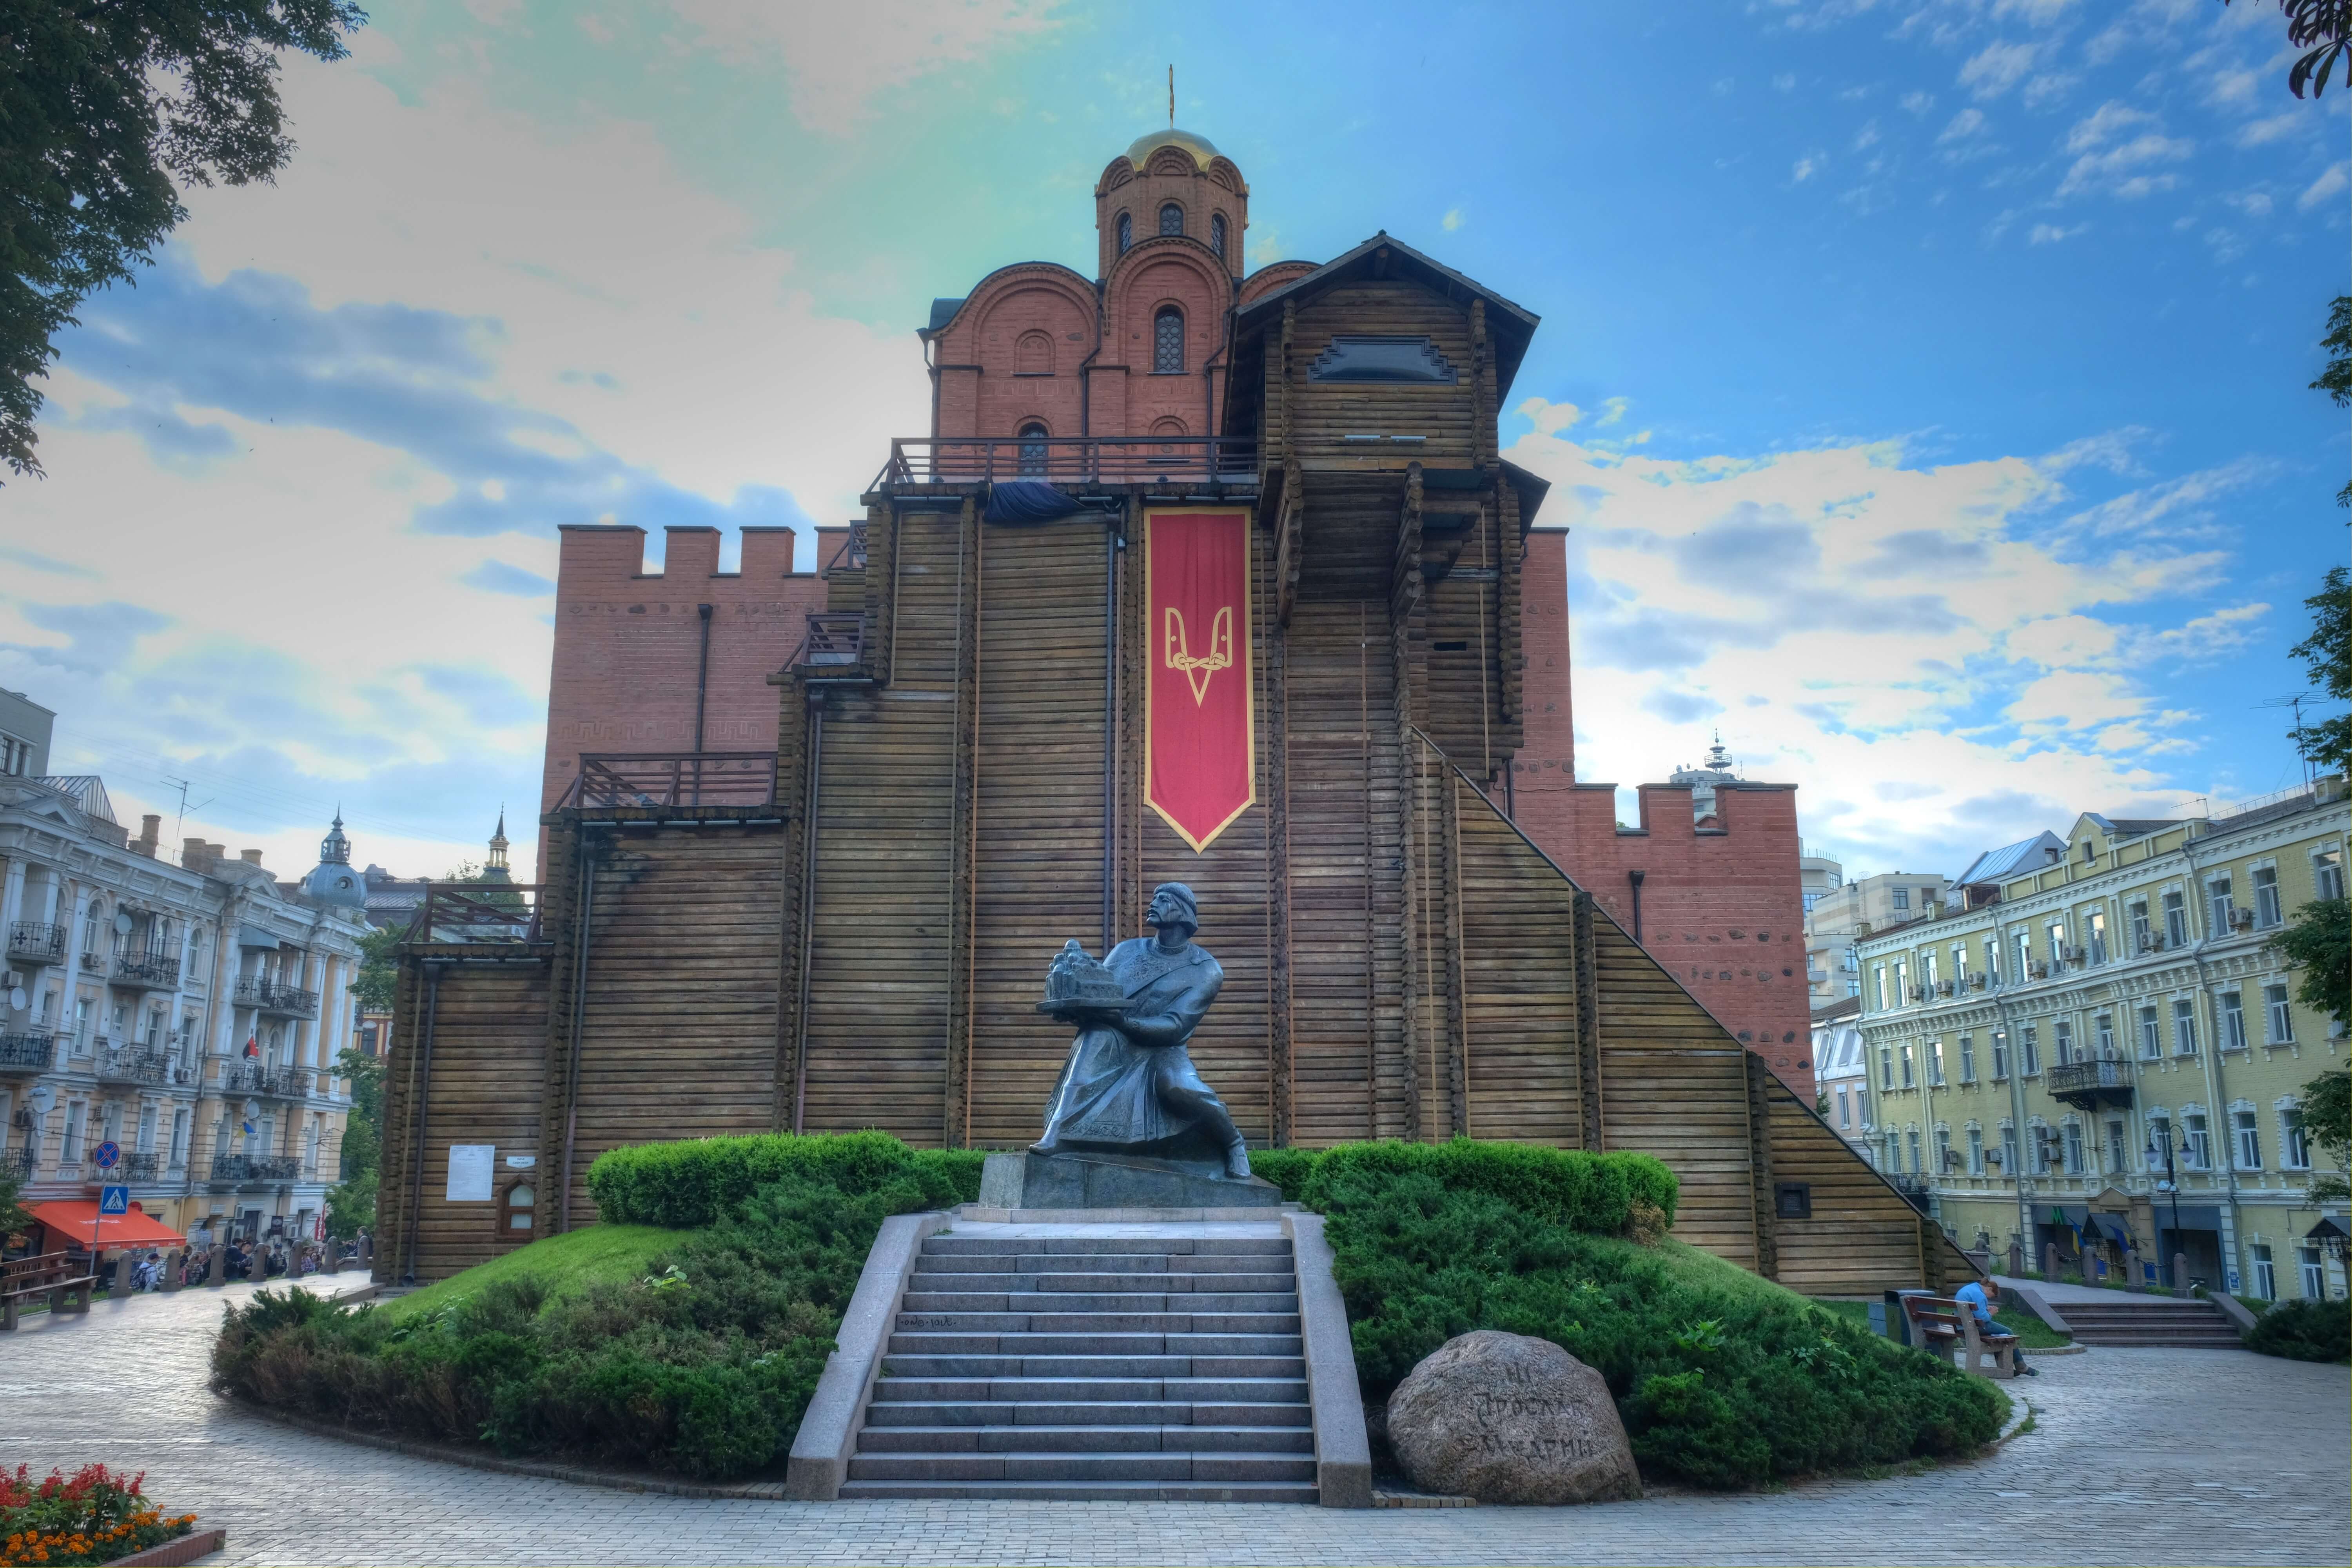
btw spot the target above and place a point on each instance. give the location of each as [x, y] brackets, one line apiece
[2305, 1331]
[1591, 1193]
[685, 1185]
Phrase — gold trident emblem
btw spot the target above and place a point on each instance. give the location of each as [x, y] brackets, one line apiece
[1198, 669]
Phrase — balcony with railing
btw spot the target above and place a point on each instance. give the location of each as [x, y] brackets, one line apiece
[141, 1065]
[266, 1082]
[29, 1052]
[2087, 1084]
[836, 638]
[254, 1170]
[146, 971]
[140, 1166]
[35, 942]
[667, 779]
[269, 996]
[18, 1163]
[1071, 462]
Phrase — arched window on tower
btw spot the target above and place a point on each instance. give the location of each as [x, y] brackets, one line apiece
[1033, 448]
[1217, 235]
[1171, 219]
[1126, 232]
[1168, 342]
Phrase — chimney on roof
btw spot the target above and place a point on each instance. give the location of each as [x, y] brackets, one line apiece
[151, 828]
[195, 855]
[250, 857]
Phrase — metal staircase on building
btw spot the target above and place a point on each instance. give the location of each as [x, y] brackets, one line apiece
[2153, 1322]
[1116, 1367]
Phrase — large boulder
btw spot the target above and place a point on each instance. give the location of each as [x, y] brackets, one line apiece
[1506, 1418]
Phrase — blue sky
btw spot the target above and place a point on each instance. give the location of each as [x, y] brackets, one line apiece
[1924, 382]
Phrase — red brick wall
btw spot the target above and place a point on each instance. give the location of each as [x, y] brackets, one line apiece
[1722, 909]
[628, 643]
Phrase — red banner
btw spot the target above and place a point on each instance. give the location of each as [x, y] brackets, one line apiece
[1199, 760]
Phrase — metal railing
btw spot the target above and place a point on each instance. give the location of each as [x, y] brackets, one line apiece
[2088, 1077]
[1908, 1184]
[270, 1083]
[834, 638]
[151, 970]
[1069, 459]
[850, 555]
[256, 1167]
[135, 1063]
[140, 1167]
[30, 1052]
[19, 1163]
[477, 911]
[34, 942]
[271, 997]
[672, 778]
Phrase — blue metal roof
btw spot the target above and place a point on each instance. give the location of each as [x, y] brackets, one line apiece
[2014, 859]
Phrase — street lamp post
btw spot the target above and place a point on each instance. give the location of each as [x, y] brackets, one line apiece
[2172, 1185]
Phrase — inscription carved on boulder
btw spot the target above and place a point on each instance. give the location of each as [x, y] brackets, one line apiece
[1506, 1418]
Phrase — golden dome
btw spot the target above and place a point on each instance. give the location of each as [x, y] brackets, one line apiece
[1199, 146]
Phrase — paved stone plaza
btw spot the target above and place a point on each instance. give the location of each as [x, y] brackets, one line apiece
[2184, 1457]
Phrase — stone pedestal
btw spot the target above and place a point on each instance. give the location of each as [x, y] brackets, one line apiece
[1028, 1181]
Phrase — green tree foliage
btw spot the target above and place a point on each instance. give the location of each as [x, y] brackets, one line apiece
[106, 111]
[351, 1203]
[2336, 380]
[2327, 654]
[2327, 1104]
[379, 967]
[14, 1216]
[2323, 30]
[2319, 943]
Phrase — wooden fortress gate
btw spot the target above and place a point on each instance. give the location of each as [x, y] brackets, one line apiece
[974, 767]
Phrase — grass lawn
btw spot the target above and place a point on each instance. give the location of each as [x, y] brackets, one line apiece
[566, 1263]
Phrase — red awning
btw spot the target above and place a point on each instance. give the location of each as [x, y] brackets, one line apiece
[78, 1218]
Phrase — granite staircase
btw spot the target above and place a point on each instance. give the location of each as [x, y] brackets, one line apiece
[1155, 1368]
[2168, 1322]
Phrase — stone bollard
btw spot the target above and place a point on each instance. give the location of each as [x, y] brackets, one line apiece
[121, 1287]
[2180, 1273]
[217, 1268]
[2016, 1260]
[172, 1264]
[367, 1247]
[2050, 1262]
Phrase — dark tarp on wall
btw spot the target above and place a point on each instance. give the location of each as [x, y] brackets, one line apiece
[1020, 501]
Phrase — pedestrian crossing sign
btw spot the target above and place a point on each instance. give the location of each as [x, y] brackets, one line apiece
[114, 1200]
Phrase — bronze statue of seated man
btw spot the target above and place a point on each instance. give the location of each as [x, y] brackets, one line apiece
[1128, 1088]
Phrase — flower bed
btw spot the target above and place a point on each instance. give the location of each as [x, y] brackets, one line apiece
[94, 1517]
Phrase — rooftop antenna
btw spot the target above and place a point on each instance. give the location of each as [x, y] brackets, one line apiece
[1171, 97]
[182, 819]
[2295, 702]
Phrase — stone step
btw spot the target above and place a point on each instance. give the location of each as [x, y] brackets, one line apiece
[1027, 1344]
[1093, 1366]
[1083, 1413]
[1065, 1322]
[1091, 1491]
[1104, 1263]
[2155, 1339]
[927, 1283]
[1009, 1439]
[1157, 1245]
[1092, 1390]
[1078, 1303]
[1164, 1466]
[2194, 1311]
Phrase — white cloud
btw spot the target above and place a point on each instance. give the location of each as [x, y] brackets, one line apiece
[2116, 157]
[1965, 123]
[1996, 68]
[2051, 234]
[1806, 168]
[2103, 125]
[2037, 12]
[2274, 128]
[1918, 102]
[1866, 136]
[1453, 220]
[1785, 82]
[2328, 185]
[2048, 89]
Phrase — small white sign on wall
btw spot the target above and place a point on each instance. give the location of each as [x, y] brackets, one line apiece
[521, 1162]
[470, 1168]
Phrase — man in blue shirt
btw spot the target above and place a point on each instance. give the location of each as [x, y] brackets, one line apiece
[1978, 1297]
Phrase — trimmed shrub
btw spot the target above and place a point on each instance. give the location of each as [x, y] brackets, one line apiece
[1593, 1193]
[698, 1182]
[2305, 1331]
[1721, 1384]
[1286, 1168]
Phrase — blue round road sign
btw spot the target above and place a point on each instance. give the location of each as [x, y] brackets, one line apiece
[107, 1156]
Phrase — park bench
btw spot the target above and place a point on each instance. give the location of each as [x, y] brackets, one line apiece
[1947, 1329]
[65, 1278]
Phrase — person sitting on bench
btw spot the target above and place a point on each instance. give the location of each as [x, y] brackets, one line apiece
[1979, 1296]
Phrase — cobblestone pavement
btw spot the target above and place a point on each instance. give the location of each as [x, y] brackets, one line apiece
[2156, 1455]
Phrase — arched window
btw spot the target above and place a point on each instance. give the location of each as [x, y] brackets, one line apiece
[1033, 448]
[1171, 219]
[1168, 342]
[1125, 233]
[1217, 233]
[1033, 355]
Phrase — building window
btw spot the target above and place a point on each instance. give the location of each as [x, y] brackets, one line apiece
[1908, 1080]
[1903, 982]
[1125, 233]
[2176, 921]
[90, 923]
[2265, 1278]
[1217, 235]
[71, 1153]
[1968, 1058]
[2029, 1051]
[2196, 1152]
[2315, 1274]
[1886, 1067]
[2184, 1027]
[1901, 898]
[2074, 1148]
[1891, 1159]
[1845, 1109]
[1168, 342]
[2282, 1022]
[2025, 944]
[2041, 1141]
[1976, 1152]
[2104, 1026]
[2151, 1040]
[2328, 873]
[2056, 934]
[2294, 1143]
[2234, 1021]
[1943, 1151]
[1999, 1054]
[1927, 972]
[2116, 1166]
[1912, 1139]
[1936, 1063]
[2249, 1139]
[1033, 448]
[2061, 1040]
[2095, 925]
[2008, 1161]
[2267, 911]
[1878, 976]
[2220, 905]
[1171, 218]
[179, 1139]
[1992, 959]
[2142, 933]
